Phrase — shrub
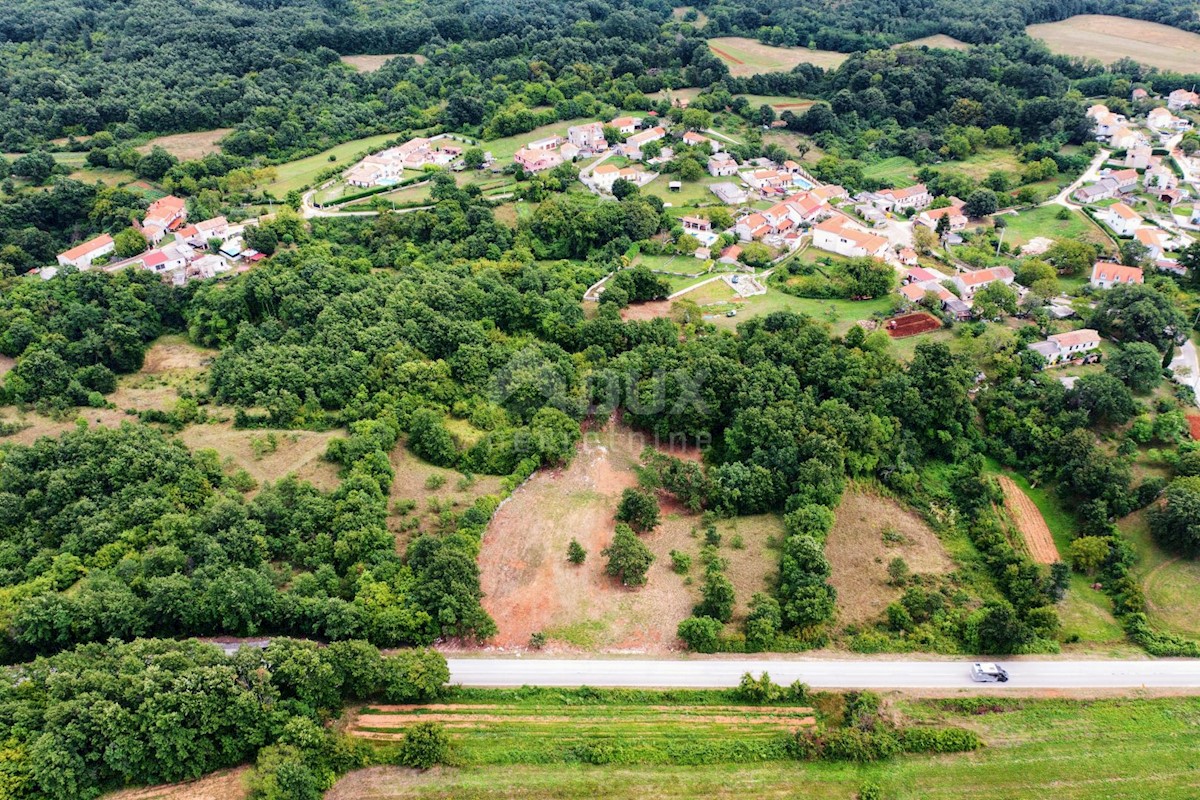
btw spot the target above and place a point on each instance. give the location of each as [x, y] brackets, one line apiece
[680, 562]
[628, 557]
[702, 634]
[639, 509]
[939, 740]
[414, 676]
[575, 552]
[425, 745]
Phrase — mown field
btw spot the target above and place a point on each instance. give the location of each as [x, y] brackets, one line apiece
[937, 40]
[1024, 226]
[1074, 750]
[1107, 39]
[749, 57]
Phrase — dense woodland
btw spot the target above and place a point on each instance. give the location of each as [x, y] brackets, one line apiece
[116, 542]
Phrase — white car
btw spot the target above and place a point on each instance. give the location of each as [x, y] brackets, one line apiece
[988, 673]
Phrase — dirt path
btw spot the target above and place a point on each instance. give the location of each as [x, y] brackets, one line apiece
[1030, 522]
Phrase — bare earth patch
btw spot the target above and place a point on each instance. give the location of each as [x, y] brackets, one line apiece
[189, 146]
[859, 555]
[295, 452]
[6, 364]
[1030, 522]
[937, 40]
[529, 586]
[172, 353]
[373, 63]
[1108, 38]
[227, 784]
[651, 309]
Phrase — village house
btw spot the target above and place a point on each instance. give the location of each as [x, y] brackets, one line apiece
[1067, 347]
[958, 220]
[1126, 178]
[1139, 94]
[696, 140]
[1121, 218]
[1103, 189]
[1155, 240]
[1160, 176]
[839, 235]
[752, 226]
[907, 256]
[568, 151]
[166, 213]
[729, 193]
[897, 200]
[626, 125]
[730, 255]
[829, 192]
[198, 234]
[587, 137]
[914, 291]
[1104, 122]
[82, 256]
[1181, 99]
[538, 160]
[970, 282]
[1160, 119]
[1124, 138]
[695, 225]
[171, 257]
[1106, 275]
[722, 165]
[634, 144]
[768, 180]
[605, 175]
[1138, 157]
[387, 166]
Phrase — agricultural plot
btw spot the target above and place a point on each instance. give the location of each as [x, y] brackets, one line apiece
[373, 63]
[1107, 39]
[749, 57]
[897, 170]
[840, 314]
[937, 40]
[302, 172]
[189, 146]
[912, 324]
[530, 587]
[870, 531]
[1030, 522]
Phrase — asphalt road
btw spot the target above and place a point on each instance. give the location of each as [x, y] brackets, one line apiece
[824, 674]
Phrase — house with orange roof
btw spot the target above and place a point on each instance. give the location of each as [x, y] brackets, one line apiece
[896, 200]
[634, 144]
[1106, 275]
[908, 257]
[929, 217]
[537, 160]
[1121, 218]
[167, 213]
[1155, 240]
[81, 256]
[1181, 99]
[1064, 348]
[828, 192]
[969, 283]
[839, 235]
[696, 140]
[752, 226]
[626, 125]
[722, 165]
[589, 136]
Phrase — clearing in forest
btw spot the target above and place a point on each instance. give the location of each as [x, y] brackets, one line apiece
[430, 491]
[869, 531]
[937, 40]
[373, 63]
[1107, 39]
[189, 146]
[1030, 522]
[530, 587]
[749, 57]
[228, 784]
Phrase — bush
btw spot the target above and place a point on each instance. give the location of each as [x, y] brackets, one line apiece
[575, 552]
[680, 562]
[414, 676]
[939, 740]
[701, 634]
[628, 557]
[425, 745]
[639, 509]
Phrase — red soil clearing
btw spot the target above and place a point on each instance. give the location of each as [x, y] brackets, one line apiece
[1194, 424]
[912, 324]
[726, 56]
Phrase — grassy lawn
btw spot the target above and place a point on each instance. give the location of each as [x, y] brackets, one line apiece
[680, 264]
[1069, 750]
[840, 314]
[1171, 585]
[896, 170]
[302, 172]
[1025, 226]
[504, 149]
[711, 294]
[980, 165]
[780, 103]
[691, 195]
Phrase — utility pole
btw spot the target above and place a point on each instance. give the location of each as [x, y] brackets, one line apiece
[1000, 241]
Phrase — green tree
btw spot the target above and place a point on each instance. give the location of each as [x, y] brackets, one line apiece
[429, 438]
[1089, 553]
[473, 157]
[1104, 397]
[1072, 257]
[981, 202]
[575, 552]
[1176, 523]
[718, 597]
[425, 745]
[1138, 365]
[701, 634]
[994, 300]
[414, 676]
[628, 557]
[129, 242]
[638, 508]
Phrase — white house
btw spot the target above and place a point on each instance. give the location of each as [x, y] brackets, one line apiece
[901, 199]
[1106, 275]
[1160, 119]
[839, 235]
[605, 175]
[1125, 178]
[970, 282]
[696, 140]
[958, 220]
[1138, 157]
[81, 256]
[1121, 218]
[635, 143]
[626, 125]
[169, 258]
[1155, 240]
[167, 213]
[729, 193]
[1181, 99]
[722, 165]
[1124, 138]
[1067, 346]
[587, 137]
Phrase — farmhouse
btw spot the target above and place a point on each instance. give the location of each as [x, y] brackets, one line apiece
[730, 255]
[970, 282]
[696, 140]
[634, 144]
[171, 257]
[829, 192]
[1121, 218]
[605, 175]
[930, 217]
[917, 197]
[626, 125]
[728, 193]
[837, 234]
[1138, 157]
[538, 160]
[1123, 138]
[587, 137]
[722, 165]
[1181, 99]
[1103, 189]
[1160, 119]
[908, 257]
[166, 213]
[752, 226]
[1106, 275]
[768, 180]
[81, 256]
[1125, 178]
[1067, 347]
[215, 228]
[386, 166]
[1155, 240]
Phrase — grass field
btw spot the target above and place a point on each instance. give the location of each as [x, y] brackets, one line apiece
[691, 194]
[980, 165]
[896, 170]
[1171, 585]
[749, 57]
[1025, 226]
[701, 18]
[1107, 39]
[937, 40]
[373, 63]
[302, 172]
[189, 146]
[780, 103]
[840, 314]
[1118, 749]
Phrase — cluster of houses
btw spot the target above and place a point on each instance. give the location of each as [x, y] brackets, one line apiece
[385, 168]
[185, 256]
